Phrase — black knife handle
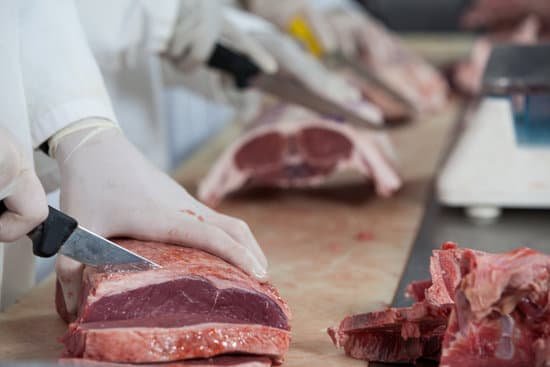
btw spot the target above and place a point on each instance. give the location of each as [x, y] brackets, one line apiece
[238, 65]
[48, 237]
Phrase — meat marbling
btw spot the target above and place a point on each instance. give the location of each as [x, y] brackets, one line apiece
[195, 306]
[294, 148]
[478, 310]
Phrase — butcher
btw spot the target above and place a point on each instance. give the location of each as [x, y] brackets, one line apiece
[53, 98]
[326, 27]
[154, 57]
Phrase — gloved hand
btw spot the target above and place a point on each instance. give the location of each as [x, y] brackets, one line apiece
[364, 38]
[300, 19]
[110, 188]
[200, 25]
[292, 60]
[20, 190]
[356, 35]
[496, 13]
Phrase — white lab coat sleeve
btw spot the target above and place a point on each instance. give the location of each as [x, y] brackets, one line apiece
[16, 259]
[119, 36]
[13, 113]
[62, 82]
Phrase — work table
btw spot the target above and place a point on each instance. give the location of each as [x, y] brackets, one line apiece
[332, 251]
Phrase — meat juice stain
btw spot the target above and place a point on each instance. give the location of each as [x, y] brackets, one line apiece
[335, 248]
[364, 236]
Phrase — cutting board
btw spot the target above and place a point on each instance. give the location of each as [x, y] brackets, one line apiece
[332, 251]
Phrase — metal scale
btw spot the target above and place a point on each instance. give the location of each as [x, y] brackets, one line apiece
[502, 158]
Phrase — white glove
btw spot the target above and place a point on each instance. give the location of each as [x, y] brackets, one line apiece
[288, 14]
[20, 191]
[200, 25]
[110, 188]
[294, 61]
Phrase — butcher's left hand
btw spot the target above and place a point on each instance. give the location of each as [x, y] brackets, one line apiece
[111, 189]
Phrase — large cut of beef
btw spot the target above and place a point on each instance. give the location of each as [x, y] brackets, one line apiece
[195, 306]
[222, 361]
[477, 310]
[294, 148]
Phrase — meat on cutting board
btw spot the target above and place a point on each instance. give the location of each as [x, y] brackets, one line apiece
[294, 148]
[195, 306]
[477, 310]
[502, 311]
[223, 361]
[393, 335]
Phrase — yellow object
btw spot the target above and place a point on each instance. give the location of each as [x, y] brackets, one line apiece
[299, 28]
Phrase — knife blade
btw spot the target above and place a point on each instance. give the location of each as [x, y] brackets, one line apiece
[60, 233]
[368, 76]
[247, 74]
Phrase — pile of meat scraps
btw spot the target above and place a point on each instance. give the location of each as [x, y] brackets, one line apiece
[291, 147]
[478, 310]
[195, 307]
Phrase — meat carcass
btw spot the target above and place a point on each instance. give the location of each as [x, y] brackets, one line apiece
[195, 306]
[478, 310]
[223, 361]
[294, 148]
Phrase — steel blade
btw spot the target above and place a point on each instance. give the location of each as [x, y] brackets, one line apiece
[292, 91]
[91, 249]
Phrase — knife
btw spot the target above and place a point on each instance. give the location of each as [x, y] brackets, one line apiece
[247, 74]
[60, 233]
[370, 77]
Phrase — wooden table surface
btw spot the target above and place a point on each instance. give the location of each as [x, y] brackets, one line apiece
[332, 251]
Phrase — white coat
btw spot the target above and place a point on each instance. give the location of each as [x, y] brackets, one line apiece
[157, 113]
[48, 80]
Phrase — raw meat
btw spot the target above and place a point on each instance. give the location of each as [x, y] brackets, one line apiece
[502, 312]
[223, 361]
[400, 335]
[195, 306]
[406, 334]
[477, 310]
[294, 148]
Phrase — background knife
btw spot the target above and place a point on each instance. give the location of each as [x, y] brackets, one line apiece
[60, 233]
[368, 76]
[247, 74]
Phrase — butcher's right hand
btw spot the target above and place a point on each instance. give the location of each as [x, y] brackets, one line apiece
[299, 65]
[20, 191]
[111, 189]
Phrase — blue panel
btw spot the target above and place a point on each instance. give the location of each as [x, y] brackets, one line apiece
[532, 119]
